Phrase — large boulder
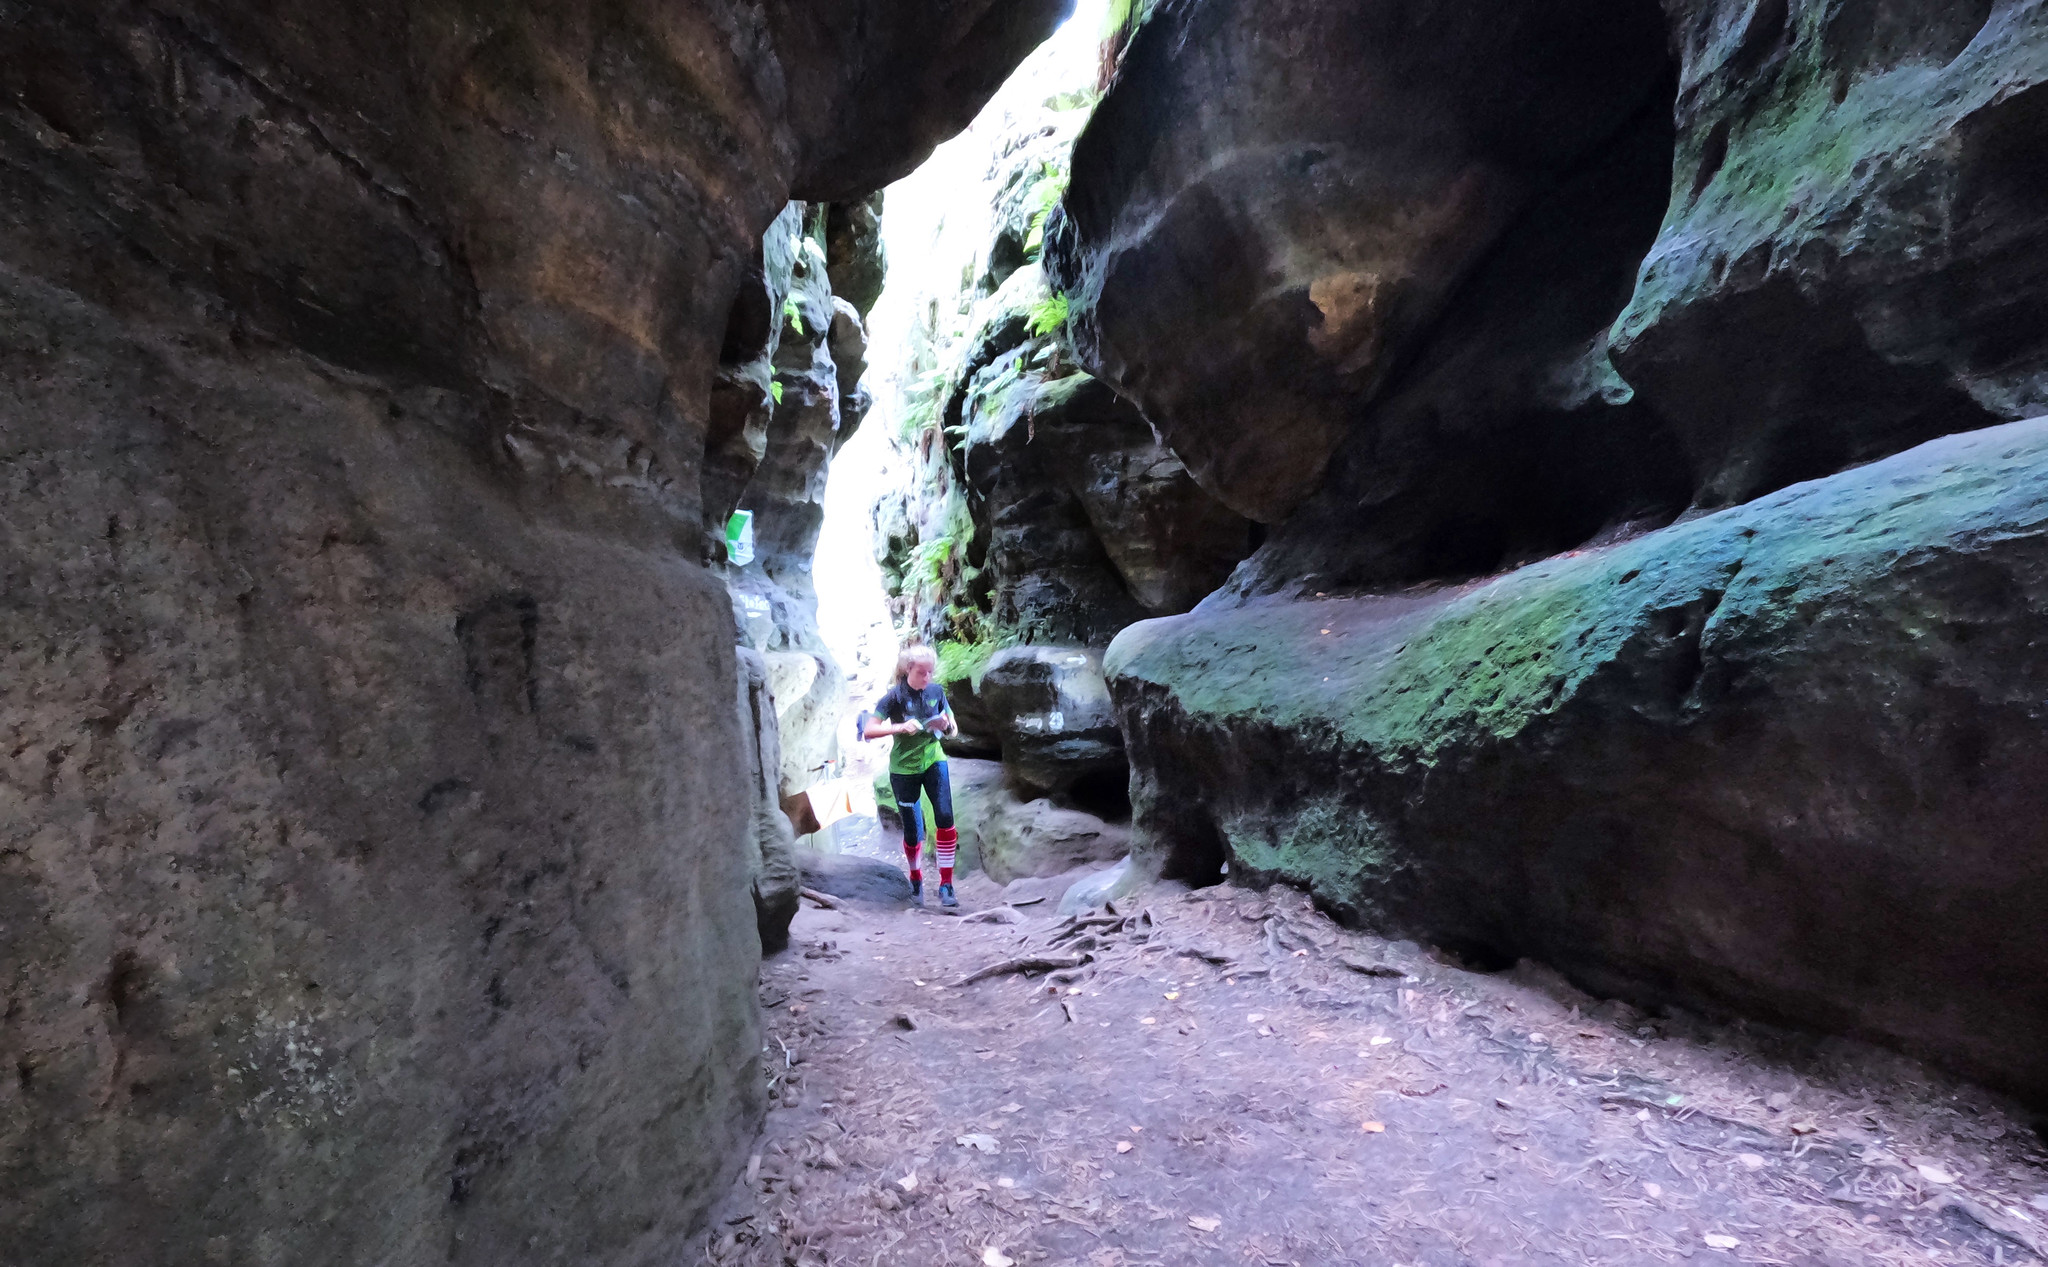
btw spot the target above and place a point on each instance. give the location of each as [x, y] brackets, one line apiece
[1023, 839]
[1053, 711]
[1783, 760]
[1855, 258]
[854, 877]
[1278, 203]
[376, 864]
[1010, 836]
[1086, 521]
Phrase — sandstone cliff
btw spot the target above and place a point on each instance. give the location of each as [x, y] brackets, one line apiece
[1482, 311]
[1041, 513]
[375, 842]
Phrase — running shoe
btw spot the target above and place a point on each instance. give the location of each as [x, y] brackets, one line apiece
[946, 897]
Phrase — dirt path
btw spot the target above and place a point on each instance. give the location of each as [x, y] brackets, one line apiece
[1236, 1080]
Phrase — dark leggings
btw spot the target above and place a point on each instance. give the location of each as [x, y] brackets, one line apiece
[933, 783]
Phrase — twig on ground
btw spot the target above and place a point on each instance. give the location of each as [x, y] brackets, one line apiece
[825, 900]
[1027, 963]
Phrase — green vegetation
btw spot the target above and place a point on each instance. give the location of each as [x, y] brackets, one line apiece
[775, 390]
[1119, 25]
[965, 661]
[921, 406]
[792, 314]
[931, 560]
[1325, 843]
[1050, 314]
[1046, 192]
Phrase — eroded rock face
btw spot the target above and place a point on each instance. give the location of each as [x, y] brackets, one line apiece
[1276, 204]
[1855, 258]
[365, 834]
[775, 870]
[1052, 709]
[854, 246]
[1044, 514]
[802, 399]
[1087, 522]
[1781, 760]
[375, 863]
[1023, 839]
[1740, 244]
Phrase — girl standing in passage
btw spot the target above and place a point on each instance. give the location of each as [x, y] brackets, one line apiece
[916, 713]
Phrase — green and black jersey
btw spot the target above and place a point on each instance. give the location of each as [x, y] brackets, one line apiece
[919, 750]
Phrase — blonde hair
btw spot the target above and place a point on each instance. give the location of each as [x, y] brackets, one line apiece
[915, 653]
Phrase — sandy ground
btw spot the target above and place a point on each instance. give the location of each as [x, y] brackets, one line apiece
[1233, 1079]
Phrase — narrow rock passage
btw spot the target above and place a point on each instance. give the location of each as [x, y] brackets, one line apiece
[1234, 1079]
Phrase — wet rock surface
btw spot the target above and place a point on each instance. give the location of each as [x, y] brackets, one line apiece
[377, 876]
[1779, 761]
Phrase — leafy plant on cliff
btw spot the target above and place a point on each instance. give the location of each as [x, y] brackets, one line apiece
[921, 406]
[965, 661]
[1119, 24]
[1050, 313]
[1046, 192]
[931, 561]
[793, 315]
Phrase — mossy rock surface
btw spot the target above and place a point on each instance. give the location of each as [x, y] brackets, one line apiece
[1784, 759]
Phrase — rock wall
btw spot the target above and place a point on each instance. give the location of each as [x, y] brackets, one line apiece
[1856, 221]
[1482, 315]
[1043, 514]
[1781, 760]
[376, 879]
[790, 392]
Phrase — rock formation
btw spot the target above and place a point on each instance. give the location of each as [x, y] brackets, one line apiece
[376, 870]
[1482, 314]
[1044, 515]
[775, 860]
[1855, 221]
[1782, 760]
[790, 393]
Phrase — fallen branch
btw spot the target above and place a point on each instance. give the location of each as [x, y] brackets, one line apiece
[1991, 1221]
[1075, 926]
[1028, 963]
[1369, 968]
[825, 900]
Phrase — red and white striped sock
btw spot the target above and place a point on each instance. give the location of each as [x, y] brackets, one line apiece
[947, 841]
[911, 855]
